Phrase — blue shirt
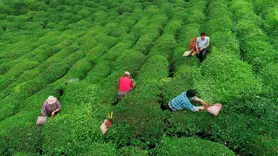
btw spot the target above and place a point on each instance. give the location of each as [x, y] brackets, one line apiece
[182, 102]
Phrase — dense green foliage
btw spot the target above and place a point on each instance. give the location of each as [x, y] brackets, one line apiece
[191, 146]
[46, 43]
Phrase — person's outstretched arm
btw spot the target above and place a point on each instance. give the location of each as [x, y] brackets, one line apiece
[200, 101]
[58, 108]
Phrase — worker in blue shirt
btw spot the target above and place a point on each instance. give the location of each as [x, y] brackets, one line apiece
[183, 101]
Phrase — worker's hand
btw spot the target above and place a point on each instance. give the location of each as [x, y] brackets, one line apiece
[198, 51]
[52, 114]
[202, 108]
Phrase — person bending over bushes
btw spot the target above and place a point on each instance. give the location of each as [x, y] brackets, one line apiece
[51, 106]
[125, 85]
[183, 101]
[202, 44]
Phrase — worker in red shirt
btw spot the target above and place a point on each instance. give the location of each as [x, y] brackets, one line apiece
[125, 85]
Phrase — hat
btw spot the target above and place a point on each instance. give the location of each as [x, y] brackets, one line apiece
[127, 73]
[51, 100]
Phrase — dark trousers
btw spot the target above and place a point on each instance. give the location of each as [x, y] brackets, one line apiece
[202, 55]
[165, 107]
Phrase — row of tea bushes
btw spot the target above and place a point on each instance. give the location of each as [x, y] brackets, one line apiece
[137, 117]
[255, 44]
[223, 65]
[193, 19]
[186, 68]
[222, 72]
[190, 146]
[15, 71]
[38, 55]
[268, 11]
[150, 34]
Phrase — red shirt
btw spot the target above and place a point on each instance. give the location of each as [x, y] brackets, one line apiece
[125, 84]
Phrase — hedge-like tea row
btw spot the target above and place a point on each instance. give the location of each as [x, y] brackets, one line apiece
[138, 119]
[256, 50]
[13, 73]
[229, 81]
[268, 11]
[150, 33]
[256, 45]
[193, 19]
[190, 146]
[185, 68]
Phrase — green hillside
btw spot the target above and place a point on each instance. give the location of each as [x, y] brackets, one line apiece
[46, 43]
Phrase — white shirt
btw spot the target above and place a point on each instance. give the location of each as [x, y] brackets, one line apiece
[202, 43]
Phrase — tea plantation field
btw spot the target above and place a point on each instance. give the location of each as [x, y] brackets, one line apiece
[45, 43]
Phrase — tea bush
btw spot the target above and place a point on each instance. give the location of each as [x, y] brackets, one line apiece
[226, 42]
[245, 11]
[23, 140]
[227, 77]
[259, 53]
[129, 150]
[246, 29]
[101, 70]
[219, 18]
[129, 61]
[15, 134]
[10, 76]
[262, 7]
[150, 34]
[271, 21]
[116, 51]
[190, 146]
[196, 14]
[269, 75]
[183, 80]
